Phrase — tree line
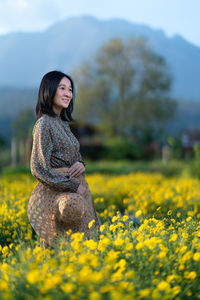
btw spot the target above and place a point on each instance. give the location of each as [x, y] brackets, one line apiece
[123, 91]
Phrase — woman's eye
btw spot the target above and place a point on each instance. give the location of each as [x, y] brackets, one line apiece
[62, 88]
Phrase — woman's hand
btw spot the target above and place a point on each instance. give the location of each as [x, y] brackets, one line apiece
[82, 190]
[76, 169]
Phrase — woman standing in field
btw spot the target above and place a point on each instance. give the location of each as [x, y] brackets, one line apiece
[61, 200]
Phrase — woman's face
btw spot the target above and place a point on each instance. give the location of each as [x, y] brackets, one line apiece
[63, 95]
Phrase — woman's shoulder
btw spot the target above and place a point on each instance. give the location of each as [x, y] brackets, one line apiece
[45, 119]
[44, 122]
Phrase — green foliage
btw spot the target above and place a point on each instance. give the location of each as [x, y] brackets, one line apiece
[22, 125]
[173, 168]
[2, 142]
[194, 167]
[93, 152]
[9, 170]
[125, 89]
[197, 153]
[4, 158]
[175, 147]
[123, 166]
[120, 148]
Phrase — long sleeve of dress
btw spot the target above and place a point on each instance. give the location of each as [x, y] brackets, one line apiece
[42, 150]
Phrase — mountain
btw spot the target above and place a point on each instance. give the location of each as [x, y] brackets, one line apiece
[26, 57]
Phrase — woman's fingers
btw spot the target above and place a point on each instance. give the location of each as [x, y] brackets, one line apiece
[76, 169]
[75, 172]
[79, 172]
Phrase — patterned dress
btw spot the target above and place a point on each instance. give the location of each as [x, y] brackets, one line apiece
[55, 206]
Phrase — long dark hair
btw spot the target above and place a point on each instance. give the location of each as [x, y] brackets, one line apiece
[46, 94]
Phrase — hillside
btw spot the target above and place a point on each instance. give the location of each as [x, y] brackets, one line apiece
[25, 57]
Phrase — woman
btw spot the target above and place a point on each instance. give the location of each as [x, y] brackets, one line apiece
[61, 200]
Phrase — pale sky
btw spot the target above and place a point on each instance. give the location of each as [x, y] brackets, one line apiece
[172, 16]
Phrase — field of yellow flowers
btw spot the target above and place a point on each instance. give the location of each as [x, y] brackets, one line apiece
[158, 259]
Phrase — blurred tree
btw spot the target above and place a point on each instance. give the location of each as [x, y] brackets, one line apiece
[2, 142]
[125, 90]
[4, 153]
[22, 136]
[22, 125]
[176, 148]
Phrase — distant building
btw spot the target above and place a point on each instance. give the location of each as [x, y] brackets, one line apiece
[189, 139]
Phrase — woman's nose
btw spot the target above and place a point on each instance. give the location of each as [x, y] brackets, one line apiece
[68, 93]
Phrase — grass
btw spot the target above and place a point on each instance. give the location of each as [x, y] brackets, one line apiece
[173, 167]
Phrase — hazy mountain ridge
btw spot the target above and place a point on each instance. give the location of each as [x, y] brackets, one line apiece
[25, 57]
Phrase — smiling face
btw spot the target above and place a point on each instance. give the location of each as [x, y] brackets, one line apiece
[63, 95]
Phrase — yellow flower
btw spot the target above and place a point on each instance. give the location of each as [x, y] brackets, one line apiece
[125, 218]
[117, 276]
[97, 277]
[163, 285]
[138, 213]
[119, 224]
[196, 256]
[95, 296]
[130, 274]
[103, 243]
[51, 282]
[11, 245]
[176, 290]
[91, 223]
[105, 288]
[13, 261]
[144, 293]
[36, 250]
[181, 267]
[85, 274]
[69, 232]
[68, 287]
[162, 254]
[112, 256]
[115, 218]
[77, 236]
[183, 249]
[90, 244]
[33, 276]
[118, 242]
[191, 275]
[173, 237]
[129, 247]
[134, 233]
[139, 245]
[17, 247]
[3, 285]
[112, 227]
[102, 227]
